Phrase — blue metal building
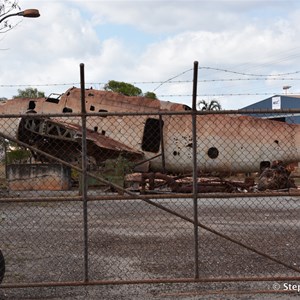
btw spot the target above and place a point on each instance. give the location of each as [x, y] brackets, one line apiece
[275, 103]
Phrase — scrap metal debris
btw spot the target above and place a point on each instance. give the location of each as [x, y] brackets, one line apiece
[151, 182]
[276, 177]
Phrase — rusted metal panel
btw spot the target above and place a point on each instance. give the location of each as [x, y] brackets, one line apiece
[99, 146]
[230, 143]
[96, 101]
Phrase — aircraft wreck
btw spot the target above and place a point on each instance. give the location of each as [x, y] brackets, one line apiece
[145, 132]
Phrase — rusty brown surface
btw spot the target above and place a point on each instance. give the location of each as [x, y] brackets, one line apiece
[242, 143]
[96, 100]
[100, 140]
[114, 102]
[68, 145]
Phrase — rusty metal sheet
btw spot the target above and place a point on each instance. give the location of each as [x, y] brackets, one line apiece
[96, 101]
[68, 140]
[99, 139]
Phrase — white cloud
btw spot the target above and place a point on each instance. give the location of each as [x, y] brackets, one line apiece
[260, 37]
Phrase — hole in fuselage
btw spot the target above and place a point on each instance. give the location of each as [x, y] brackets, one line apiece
[213, 152]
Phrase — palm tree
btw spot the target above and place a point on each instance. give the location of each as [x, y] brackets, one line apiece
[212, 105]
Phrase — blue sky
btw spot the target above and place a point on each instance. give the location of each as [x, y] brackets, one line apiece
[148, 42]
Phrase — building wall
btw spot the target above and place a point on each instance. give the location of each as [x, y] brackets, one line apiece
[27, 177]
[272, 103]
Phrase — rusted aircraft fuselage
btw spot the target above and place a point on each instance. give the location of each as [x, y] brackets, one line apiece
[225, 143]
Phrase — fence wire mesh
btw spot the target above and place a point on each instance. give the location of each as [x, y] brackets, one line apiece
[140, 214]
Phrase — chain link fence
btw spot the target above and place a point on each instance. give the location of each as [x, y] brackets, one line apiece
[121, 207]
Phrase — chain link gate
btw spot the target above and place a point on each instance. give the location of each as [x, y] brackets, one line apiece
[152, 233]
[75, 210]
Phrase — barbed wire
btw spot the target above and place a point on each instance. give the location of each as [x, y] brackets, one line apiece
[227, 71]
[168, 80]
[250, 74]
[253, 77]
[43, 84]
[229, 94]
[152, 82]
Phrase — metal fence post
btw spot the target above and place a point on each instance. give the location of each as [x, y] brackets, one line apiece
[84, 173]
[195, 170]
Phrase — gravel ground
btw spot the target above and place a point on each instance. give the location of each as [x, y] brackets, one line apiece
[132, 240]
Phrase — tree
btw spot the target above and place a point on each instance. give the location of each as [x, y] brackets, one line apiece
[212, 105]
[17, 154]
[150, 95]
[8, 7]
[127, 89]
[29, 93]
[124, 88]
